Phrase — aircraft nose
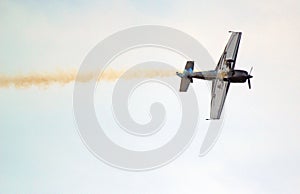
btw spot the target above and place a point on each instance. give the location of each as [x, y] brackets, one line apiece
[250, 76]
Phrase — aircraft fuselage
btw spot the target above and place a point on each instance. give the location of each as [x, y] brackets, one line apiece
[235, 76]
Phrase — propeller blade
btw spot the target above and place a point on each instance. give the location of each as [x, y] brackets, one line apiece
[250, 71]
[249, 83]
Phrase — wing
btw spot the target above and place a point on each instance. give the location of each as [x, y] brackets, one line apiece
[226, 64]
[228, 58]
[218, 96]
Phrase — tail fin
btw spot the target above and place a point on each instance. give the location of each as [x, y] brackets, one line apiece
[185, 79]
[189, 66]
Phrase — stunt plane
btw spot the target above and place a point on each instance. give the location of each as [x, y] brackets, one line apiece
[221, 77]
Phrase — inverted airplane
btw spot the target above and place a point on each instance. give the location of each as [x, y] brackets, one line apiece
[221, 77]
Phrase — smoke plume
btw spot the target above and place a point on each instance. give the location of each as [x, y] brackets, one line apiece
[66, 77]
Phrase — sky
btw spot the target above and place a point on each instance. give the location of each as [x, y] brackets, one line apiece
[258, 150]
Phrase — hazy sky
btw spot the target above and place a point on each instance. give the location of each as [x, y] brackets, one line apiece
[258, 150]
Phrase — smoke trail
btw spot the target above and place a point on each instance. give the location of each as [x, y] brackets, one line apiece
[65, 77]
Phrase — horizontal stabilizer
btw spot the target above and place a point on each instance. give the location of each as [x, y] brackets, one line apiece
[186, 79]
[184, 84]
[189, 66]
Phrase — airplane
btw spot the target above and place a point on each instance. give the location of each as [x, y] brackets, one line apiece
[221, 77]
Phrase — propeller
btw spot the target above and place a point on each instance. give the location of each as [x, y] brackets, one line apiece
[250, 70]
[249, 76]
[249, 83]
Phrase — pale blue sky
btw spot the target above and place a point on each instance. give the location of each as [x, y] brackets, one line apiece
[258, 150]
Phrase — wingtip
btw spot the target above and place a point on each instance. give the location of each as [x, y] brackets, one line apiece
[230, 31]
